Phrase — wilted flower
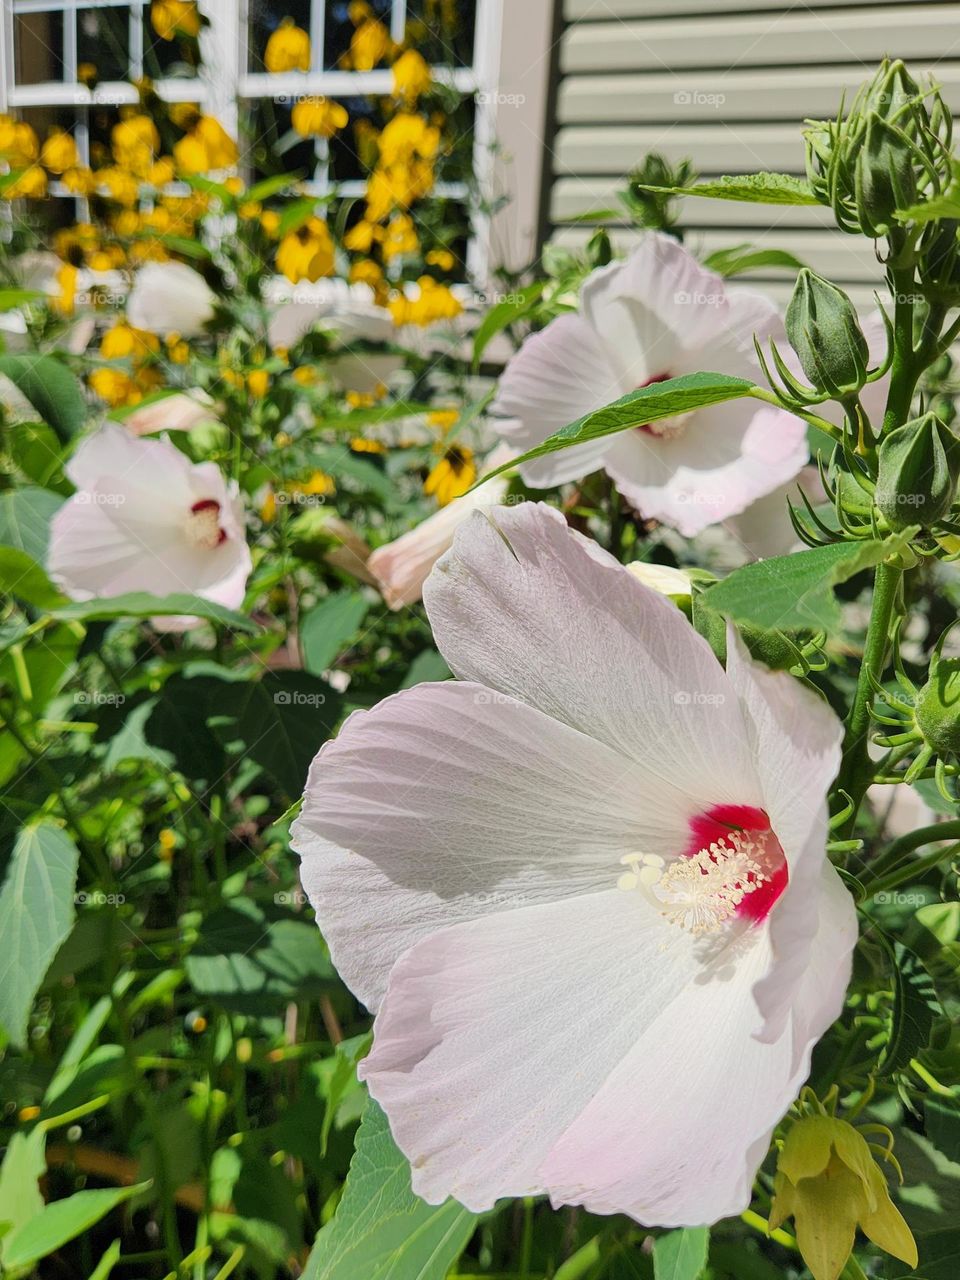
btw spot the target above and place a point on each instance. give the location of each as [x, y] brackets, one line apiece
[288, 48]
[145, 518]
[170, 297]
[595, 827]
[655, 316]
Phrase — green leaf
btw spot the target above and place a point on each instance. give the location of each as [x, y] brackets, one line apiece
[139, 604]
[283, 719]
[25, 516]
[916, 1007]
[195, 249]
[21, 576]
[329, 627]
[10, 298]
[750, 188]
[270, 186]
[941, 1122]
[939, 1257]
[427, 665]
[681, 1255]
[24, 1164]
[358, 418]
[343, 1078]
[795, 592]
[51, 388]
[36, 914]
[36, 449]
[253, 961]
[381, 1230]
[504, 313]
[106, 1264]
[61, 1221]
[649, 404]
[296, 214]
[743, 257]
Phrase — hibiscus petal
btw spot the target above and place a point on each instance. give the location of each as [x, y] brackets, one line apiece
[448, 802]
[527, 606]
[676, 1133]
[495, 1034]
[557, 376]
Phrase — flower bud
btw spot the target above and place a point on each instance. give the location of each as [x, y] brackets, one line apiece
[823, 329]
[884, 177]
[919, 466]
[828, 1182]
[938, 706]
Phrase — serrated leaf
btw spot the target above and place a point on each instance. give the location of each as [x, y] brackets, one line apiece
[36, 914]
[59, 1222]
[795, 592]
[329, 627]
[649, 404]
[51, 388]
[381, 1230]
[504, 313]
[139, 604]
[681, 1255]
[750, 188]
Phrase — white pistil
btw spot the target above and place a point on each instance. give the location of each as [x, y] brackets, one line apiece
[700, 893]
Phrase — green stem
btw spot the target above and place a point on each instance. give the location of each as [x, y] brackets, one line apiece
[856, 770]
[760, 1224]
[915, 840]
[910, 871]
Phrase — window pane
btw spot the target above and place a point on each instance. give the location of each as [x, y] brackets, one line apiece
[168, 59]
[38, 47]
[103, 40]
[339, 31]
[443, 30]
[265, 17]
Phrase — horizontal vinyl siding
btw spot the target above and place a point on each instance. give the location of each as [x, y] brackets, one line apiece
[727, 84]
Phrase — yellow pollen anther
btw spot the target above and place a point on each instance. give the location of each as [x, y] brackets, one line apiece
[701, 893]
[203, 527]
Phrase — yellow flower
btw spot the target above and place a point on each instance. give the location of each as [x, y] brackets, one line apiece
[65, 300]
[452, 476]
[134, 142]
[361, 236]
[120, 185]
[307, 253]
[268, 507]
[80, 181]
[59, 152]
[366, 271]
[318, 117]
[178, 352]
[18, 143]
[162, 173]
[26, 1114]
[406, 137]
[221, 148]
[30, 185]
[166, 843]
[828, 1182]
[258, 383]
[443, 419]
[288, 48]
[369, 44]
[357, 11]
[360, 399]
[319, 484]
[411, 76]
[127, 223]
[249, 210]
[123, 340]
[190, 155]
[99, 260]
[401, 237]
[87, 74]
[115, 387]
[235, 185]
[184, 115]
[359, 445]
[441, 258]
[433, 302]
[270, 221]
[171, 18]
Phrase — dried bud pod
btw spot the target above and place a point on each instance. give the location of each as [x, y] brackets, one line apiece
[919, 466]
[824, 331]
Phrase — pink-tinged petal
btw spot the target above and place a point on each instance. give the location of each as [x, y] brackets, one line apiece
[725, 457]
[765, 528]
[675, 1134]
[180, 412]
[170, 297]
[113, 456]
[525, 605]
[401, 567]
[796, 745]
[557, 376]
[450, 801]
[495, 1034]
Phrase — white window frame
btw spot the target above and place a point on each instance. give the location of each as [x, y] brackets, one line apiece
[224, 82]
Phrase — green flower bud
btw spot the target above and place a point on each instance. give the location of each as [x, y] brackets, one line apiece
[884, 177]
[919, 466]
[828, 1182]
[824, 331]
[938, 707]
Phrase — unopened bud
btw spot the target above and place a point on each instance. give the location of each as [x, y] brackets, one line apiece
[938, 706]
[824, 331]
[884, 175]
[919, 466]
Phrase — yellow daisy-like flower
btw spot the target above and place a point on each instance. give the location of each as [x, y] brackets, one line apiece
[433, 302]
[401, 237]
[441, 258]
[166, 843]
[411, 76]
[406, 137]
[87, 74]
[19, 145]
[307, 253]
[163, 172]
[134, 142]
[443, 419]
[369, 44]
[115, 387]
[172, 18]
[120, 185]
[65, 300]
[59, 152]
[258, 383]
[221, 148]
[80, 181]
[123, 341]
[318, 117]
[452, 476]
[288, 48]
[270, 221]
[361, 236]
[189, 154]
[29, 185]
